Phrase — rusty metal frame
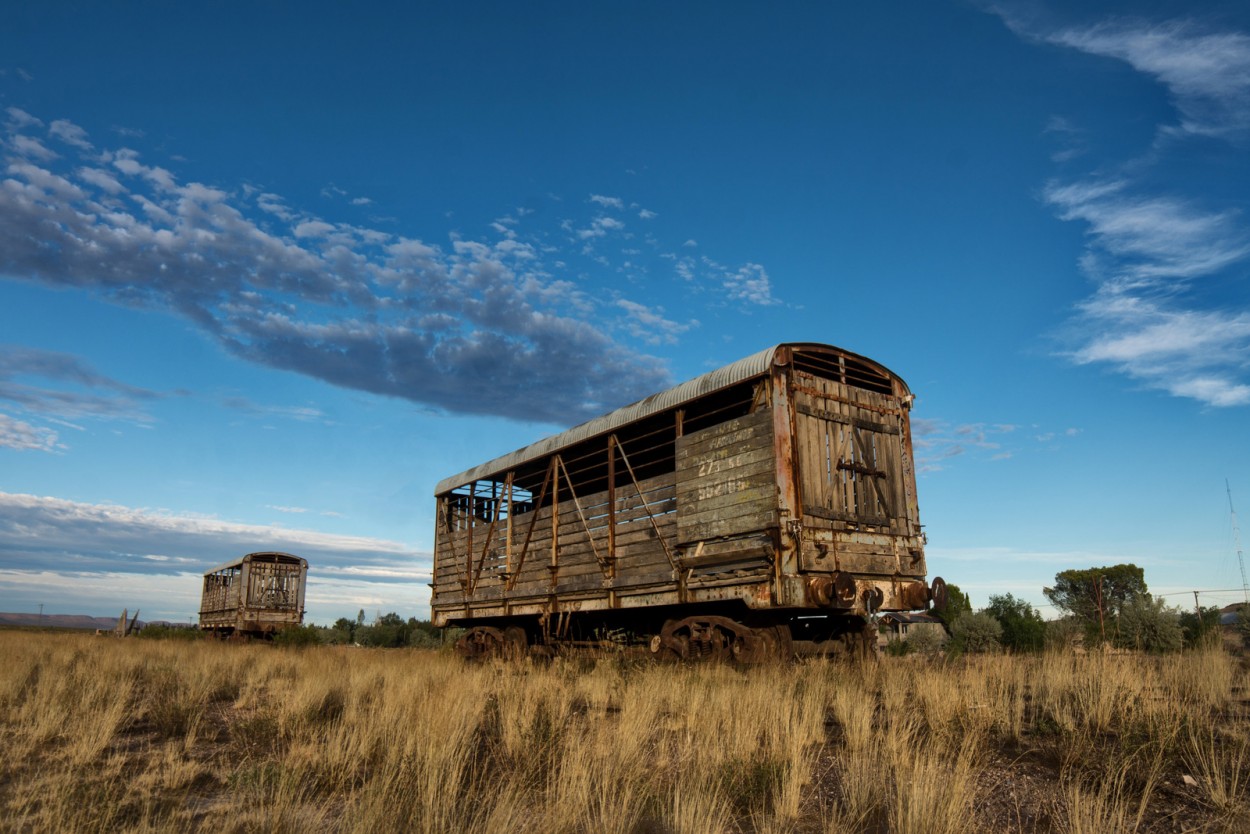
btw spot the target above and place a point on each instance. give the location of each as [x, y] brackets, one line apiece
[468, 541]
[668, 554]
[875, 474]
[490, 533]
[612, 444]
[603, 563]
[529, 534]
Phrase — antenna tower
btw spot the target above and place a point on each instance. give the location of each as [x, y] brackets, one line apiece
[1241, 563]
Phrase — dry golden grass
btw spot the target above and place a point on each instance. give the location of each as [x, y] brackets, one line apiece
[136, 735]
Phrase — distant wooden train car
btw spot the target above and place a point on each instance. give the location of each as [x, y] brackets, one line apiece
[766, 508]
[257, 595]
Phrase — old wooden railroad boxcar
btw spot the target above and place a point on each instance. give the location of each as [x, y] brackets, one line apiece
[256, 595]
[767, 507]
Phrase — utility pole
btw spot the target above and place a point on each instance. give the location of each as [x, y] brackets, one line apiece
[41, 615]
[1241, 563]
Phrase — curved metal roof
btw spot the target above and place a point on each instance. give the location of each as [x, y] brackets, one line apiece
[755, 365]
[289, 558]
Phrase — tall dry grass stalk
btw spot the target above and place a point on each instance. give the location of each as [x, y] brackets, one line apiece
[1221, 766]
[136, 735]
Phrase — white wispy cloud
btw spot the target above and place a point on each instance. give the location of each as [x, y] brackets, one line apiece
[32, 148]
[750, 283]
[54, 387]
[303, 413]
[1149, 253]
[1145, 253]
[70, 134]
[355, 306]
[937, 441]
[1207, 72]
[18, 118]
[746, 286]
[22, 436]
[607, 202]
[650, 325]
[1142, 239]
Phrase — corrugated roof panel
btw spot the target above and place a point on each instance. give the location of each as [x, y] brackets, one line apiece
[289, 558]
[752, 366]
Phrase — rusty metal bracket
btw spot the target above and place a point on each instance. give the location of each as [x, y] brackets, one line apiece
[529, 533]
[645, 505]
[604, 564]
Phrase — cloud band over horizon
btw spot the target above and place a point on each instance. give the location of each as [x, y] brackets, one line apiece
[127, 553]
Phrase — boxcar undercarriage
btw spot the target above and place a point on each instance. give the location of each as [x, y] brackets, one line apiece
[712, 633]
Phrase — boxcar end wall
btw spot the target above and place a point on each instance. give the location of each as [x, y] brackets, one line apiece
[258, 594]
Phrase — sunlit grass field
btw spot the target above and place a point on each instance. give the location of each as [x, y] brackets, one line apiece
[102, 734]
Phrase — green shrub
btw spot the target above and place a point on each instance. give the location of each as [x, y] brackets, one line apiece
[1148, 624]
[926, 641]
[308, 635]
[976, 633]
[164, 632]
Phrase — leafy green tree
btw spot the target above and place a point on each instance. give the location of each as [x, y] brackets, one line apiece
[1064, 632]
[1243, 625]
[388, 631]
[926, 640]
[298, 636]
[1148, 624]
[1024, 630]
[424, 634]
[347, 628]
[957, 604]
[1201, 627]
[1097, 595]
[976, 633]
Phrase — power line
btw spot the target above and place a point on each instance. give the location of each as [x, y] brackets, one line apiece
[1209, 591]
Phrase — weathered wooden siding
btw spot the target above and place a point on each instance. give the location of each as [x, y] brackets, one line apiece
[503, 565]
[262, 591]
[850, 448]
[856, 480]
[220, 595]
[817, 431]
[727, 480]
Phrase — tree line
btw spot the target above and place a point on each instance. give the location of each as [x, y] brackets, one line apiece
[389, 631]
[1102, 606]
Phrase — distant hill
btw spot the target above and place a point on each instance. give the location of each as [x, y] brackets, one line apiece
[60, 621]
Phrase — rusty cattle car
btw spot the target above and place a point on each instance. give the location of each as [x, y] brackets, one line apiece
[765, 508]
[256, 595]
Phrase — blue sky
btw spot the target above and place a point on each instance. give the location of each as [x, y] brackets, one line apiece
[268, 274]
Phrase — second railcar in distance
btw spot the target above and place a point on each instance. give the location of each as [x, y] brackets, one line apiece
[257, 595]
[765, 508]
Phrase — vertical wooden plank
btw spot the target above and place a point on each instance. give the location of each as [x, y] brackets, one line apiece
[612, 501]
[828, 463]
[555, 516]
[468, 548]
[508, 532]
